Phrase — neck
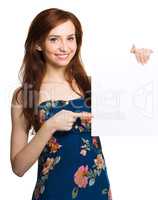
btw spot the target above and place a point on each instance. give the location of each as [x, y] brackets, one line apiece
[55, 74]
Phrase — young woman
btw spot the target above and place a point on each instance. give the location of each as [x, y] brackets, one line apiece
[54, 101]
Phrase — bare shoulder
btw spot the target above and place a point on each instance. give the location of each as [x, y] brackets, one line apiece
[17, 115]
[17, 96]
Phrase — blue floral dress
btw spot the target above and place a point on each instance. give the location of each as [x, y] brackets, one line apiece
[71, 165]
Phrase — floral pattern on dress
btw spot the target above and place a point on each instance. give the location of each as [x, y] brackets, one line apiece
[47, 166]
[85, 146]
[84, 176]
[85, 123]
[44, 109]
[52, 147]
[108, 192]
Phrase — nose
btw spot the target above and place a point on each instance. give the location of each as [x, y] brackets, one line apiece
[63, 46]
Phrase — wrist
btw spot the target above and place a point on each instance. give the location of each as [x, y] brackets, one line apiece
[49, 127]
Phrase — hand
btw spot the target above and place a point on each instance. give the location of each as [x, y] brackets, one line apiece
[64, 119]
[142, 55]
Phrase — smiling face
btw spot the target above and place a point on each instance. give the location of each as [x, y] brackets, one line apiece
[60, 45]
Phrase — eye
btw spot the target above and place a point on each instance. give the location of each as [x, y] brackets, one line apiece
[53, 39]
[71, 38]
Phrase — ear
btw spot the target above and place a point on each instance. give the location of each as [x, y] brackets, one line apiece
[38, 47]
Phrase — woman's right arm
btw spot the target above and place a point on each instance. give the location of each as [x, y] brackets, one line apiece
[23, 154]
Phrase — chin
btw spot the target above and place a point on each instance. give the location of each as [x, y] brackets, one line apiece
[60, 64]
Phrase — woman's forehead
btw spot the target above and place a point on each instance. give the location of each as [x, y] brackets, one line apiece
[64, 29]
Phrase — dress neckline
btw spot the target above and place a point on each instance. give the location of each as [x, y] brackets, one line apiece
[59, 100]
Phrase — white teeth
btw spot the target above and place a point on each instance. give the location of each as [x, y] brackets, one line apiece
[62, 56]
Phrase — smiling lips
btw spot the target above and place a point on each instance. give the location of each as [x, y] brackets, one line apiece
[62, 56]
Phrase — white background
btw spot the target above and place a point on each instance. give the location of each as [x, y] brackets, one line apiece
[125, 93]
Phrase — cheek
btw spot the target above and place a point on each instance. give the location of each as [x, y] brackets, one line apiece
[50, 49]
[73, 47]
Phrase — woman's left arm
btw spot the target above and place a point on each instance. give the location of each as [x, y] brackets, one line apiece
[142, 54]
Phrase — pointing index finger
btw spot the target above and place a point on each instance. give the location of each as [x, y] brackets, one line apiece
[83, 114]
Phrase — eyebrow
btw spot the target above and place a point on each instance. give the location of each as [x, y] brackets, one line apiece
[73, 34]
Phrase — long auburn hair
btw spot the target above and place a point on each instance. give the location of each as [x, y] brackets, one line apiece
[33, 66]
